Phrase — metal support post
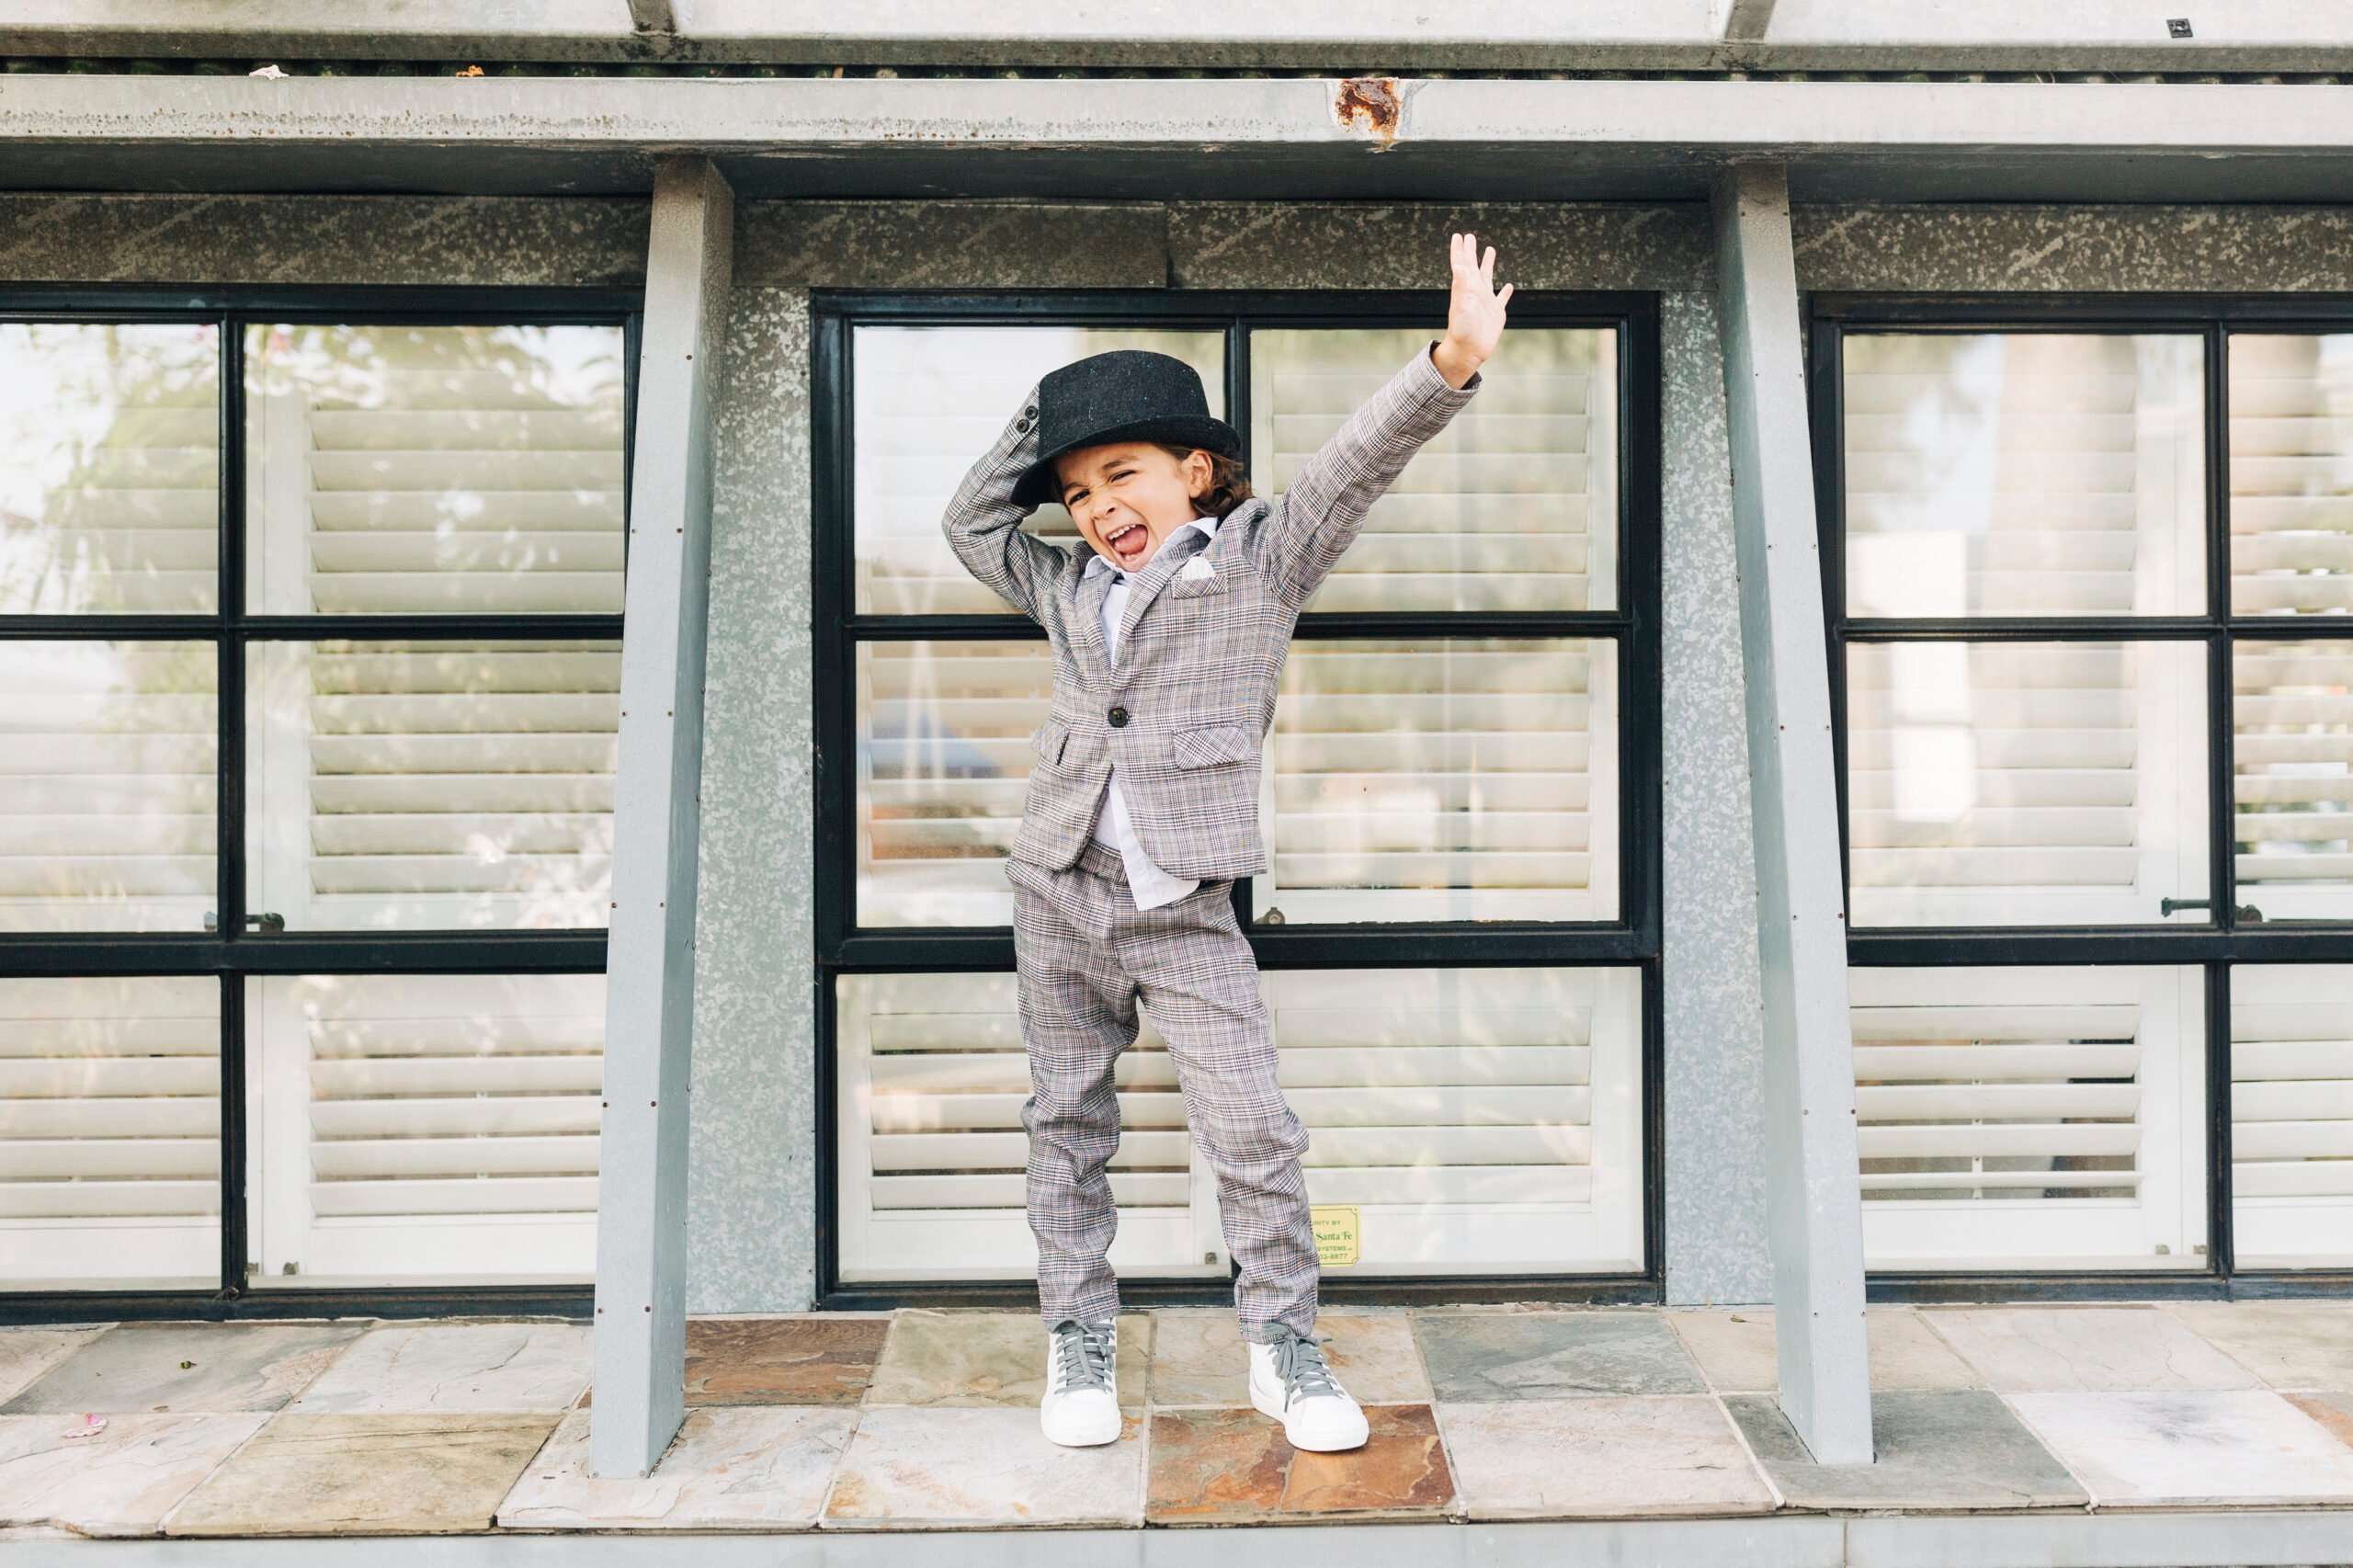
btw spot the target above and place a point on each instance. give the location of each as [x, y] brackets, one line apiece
[1814, 1199]
[640, 1360]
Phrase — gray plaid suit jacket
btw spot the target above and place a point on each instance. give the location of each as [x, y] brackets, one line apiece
[1184, 713]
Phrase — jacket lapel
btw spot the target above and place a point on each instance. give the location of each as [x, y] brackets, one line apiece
[1094, 587]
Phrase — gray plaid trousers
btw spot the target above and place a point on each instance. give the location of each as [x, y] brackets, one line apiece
[1086, 955]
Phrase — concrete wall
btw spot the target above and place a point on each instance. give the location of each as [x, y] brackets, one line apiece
[753, 1208]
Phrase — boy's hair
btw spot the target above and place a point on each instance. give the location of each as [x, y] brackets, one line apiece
[1229, 486]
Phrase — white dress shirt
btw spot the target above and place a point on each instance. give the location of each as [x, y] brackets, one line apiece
[1150, 886]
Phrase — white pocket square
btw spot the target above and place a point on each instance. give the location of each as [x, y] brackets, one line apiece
[1197, 568]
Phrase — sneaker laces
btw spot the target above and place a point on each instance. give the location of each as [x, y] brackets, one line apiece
[1083, 1355]
[1298, 1362]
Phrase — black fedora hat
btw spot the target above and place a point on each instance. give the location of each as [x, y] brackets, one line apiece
[1129, 394]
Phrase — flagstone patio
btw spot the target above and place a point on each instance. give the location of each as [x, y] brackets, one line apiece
[926, 1420]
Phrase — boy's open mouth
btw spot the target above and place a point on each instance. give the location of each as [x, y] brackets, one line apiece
[1128, 543]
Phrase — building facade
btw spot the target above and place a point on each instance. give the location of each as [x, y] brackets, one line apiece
[331, 421]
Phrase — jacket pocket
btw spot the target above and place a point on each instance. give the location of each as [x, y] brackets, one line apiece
[1183, 587]
[1212, 744]
[1048, 741]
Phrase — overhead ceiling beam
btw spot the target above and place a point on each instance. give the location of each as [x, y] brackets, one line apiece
[1205, 139]
[1315, 35]
[778, 114]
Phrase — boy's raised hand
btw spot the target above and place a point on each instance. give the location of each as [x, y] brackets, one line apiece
[1475, 315]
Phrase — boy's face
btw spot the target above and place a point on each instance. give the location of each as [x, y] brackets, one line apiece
[1131, 496]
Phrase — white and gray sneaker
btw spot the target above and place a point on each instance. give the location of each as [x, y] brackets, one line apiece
[1290, 1382]
[1081, 1409]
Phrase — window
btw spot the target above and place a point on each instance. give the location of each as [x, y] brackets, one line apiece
[1458, 931]
[310, 621]
[2084, 563]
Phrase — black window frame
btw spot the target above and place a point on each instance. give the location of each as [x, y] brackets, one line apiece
[1631, 940]
[230, 952]
[2224, 941]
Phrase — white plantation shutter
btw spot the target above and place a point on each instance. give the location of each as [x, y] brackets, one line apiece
[1476, 1117]
[1513, 506]
[1444, 781]
[422, 469]
[2029, 1117]
[944, 760]
[932, 1075]
[106, 786]
[2292, 473]
[2292, 757]
[110, 1131]
[2291, 1115]
[415, 1127]
[396, 469]
[2023, 473]
[109, 467]
[929, 402]
[2023, 782]
[433, 784]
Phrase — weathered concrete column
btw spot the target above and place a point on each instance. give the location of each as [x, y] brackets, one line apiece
[1814, 1200]
[639, 1366]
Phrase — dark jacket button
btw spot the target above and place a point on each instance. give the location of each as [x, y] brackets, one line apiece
[1021, 425]
[1119, 716]
[1029, 413]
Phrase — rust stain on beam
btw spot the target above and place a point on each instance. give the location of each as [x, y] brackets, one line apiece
[1371, 101]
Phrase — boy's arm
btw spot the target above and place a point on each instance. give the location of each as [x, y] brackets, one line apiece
[1319, 515]
[984, 522]
[1317, 519]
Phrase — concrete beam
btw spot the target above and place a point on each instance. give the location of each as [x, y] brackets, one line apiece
[1814, 1200]
[1233, 139]
[1338, 35]
[640, 1349]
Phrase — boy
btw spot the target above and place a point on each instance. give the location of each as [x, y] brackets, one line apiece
[1144, 807]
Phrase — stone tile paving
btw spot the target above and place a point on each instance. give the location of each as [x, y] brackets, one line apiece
[972, 1359]
[2190, 1448]
[944, 1467]
[27, 1353]
[1492, 1355]
[1735, 1350]
[781, 1360]
[731, 1469]
[187, 1369]
[430, 1474]
[1948, 1450]
[1610, 1458]
[2289, 1345]
[119, 1480]
[2085, 1349]
[1198, 1358]
[480, 1366]
[1226, 1467]
[926, 1420]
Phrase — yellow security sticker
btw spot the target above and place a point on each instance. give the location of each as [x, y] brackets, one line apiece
[1336, 1243]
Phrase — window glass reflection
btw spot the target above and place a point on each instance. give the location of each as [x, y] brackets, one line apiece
[2025, 783]
[110, 1132]
[109, 467]
[424, 785]
[107, 779]
[2024, 473]
[928, 401]
[1514, 505]
[396, 469]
